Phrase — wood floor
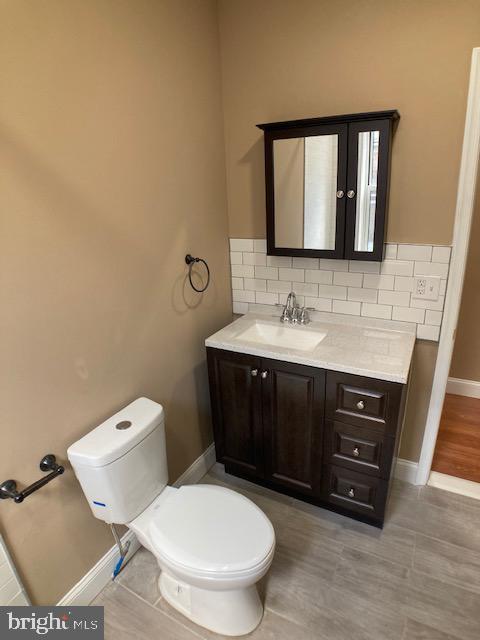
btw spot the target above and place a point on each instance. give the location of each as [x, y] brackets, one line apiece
[333, 578]
[457, 452]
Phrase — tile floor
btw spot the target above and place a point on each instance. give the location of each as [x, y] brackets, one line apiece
[336, 579]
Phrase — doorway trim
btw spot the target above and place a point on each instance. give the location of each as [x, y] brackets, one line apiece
[461, 234]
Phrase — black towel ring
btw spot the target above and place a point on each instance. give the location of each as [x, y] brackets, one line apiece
[190, 260]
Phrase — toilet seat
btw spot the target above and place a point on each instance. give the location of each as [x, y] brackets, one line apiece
[211, 532]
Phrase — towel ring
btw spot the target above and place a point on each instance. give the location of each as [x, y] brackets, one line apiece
[190, 260]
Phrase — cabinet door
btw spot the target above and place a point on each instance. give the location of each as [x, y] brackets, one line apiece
[306, 171]
[235, 391]
[367, 188]
[293, 408]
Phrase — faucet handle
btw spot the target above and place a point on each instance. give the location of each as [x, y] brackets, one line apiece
[304, 315]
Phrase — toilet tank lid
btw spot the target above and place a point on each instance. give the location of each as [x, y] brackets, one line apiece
[117, 435]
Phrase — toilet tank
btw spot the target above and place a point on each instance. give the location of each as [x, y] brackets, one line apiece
[122, 464]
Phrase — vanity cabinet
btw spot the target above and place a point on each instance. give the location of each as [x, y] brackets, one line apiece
[326, 185]
[326, 437]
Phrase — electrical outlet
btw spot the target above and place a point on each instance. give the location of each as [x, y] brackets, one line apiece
[426, 288]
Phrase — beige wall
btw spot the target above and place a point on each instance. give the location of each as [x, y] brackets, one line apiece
[466, 354]
[285, 59]
[112, 169]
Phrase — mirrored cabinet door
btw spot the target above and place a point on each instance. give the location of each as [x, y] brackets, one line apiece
[306, 190]
[367, 189]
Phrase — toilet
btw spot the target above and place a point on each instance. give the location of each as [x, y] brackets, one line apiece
[212, 544]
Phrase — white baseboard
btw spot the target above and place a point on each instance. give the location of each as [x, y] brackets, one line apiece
[455, 485]
[469, 388]
[406, 470]
[197, 469]
[88, 588]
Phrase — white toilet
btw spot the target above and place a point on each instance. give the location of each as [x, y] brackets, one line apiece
[212, 544]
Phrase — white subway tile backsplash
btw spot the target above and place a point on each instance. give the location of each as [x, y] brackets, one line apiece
[371, 281]
[279, 261]
[332, 291]
[260, 246]
[305, 288]
[441, 254]
[240, 307]
[243, 296]
[355, 287]
[427, 332]
[433, 317]
[362, 295]
[333, 265]
[236, 257]
[268, 273]
[347, 279]
[407, 314]
[266, 298]
[435, 305]
[297, 275]
[242, 271]
[305, 263]
[399, 298]
[431, 269]
[390, 252]
[346, 306]
[279, 286]
[397, 268]
[414, 252]
[321, 277]
[360, 266]
[376, 311]
[237, 244]
[255, 284]
[320, 304]
[404, 283]
[237, 283]
[255, 258]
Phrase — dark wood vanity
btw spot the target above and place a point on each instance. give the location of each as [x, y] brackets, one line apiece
[322, 436]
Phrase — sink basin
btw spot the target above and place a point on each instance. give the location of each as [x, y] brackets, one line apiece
[280, 335]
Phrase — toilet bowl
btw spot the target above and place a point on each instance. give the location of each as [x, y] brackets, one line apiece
[212, 544]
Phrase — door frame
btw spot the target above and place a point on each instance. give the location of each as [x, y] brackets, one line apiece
[461, 235]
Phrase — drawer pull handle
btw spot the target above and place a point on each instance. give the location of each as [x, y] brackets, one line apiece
[356, 452]
[254, 373]
[360, 404]
[264, 374]
[351, 492]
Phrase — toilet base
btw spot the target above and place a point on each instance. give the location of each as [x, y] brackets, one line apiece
[230, 613]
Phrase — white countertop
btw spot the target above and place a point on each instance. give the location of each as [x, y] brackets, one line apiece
[360, 346]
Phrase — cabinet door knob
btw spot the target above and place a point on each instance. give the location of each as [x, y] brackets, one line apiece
[350, 193]
[360, 404]
[254, 373]
[340, 194]
[351, 492]
[264, 374]
[356, 452]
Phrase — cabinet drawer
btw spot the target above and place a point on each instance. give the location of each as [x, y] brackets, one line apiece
[363, 401]
[358, 448]
[355, 491]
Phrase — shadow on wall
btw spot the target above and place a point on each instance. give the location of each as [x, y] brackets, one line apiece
[254, 160]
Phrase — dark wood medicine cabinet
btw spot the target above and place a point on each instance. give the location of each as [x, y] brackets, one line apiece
[327, 185]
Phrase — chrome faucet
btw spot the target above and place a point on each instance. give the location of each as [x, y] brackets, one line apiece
[292, 313]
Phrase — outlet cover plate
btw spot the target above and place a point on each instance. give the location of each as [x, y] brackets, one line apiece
[426, 288]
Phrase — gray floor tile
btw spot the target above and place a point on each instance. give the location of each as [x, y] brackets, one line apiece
[449, 500]
[448, 562]
[418, 631]
[127, 617]
[443, 606]
[141, 575]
